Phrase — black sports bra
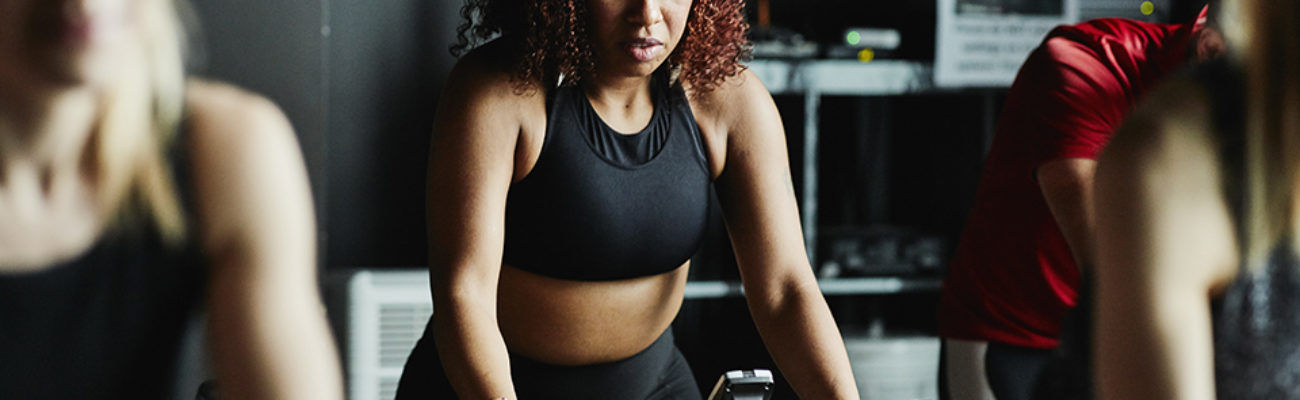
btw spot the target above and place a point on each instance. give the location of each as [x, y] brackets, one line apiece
[602, 206]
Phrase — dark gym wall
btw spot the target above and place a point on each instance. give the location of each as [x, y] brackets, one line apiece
[359, 81]
[274, 48]
[386, 64]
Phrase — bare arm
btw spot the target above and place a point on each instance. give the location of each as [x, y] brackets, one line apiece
[763, 222]
[1165, 243]
[1067, 187]
[267, 330]
[470, 169]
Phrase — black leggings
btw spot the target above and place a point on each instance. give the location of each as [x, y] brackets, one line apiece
[657, 373]
[1013, 371]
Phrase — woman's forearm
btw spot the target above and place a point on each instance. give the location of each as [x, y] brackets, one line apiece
[800, 333]
[473, 353]
[268, 333]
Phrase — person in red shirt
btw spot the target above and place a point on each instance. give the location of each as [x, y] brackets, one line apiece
[1017, 269]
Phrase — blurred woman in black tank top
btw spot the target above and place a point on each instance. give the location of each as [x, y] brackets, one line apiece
[1198, 291]
[570, 167]
[124, 213]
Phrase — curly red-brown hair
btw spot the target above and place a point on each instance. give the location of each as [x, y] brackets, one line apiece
[549, 39]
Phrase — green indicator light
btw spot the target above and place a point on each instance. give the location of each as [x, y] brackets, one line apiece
[853, 38]
[1148, 8]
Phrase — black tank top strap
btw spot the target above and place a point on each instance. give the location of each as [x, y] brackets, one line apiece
[680, 104]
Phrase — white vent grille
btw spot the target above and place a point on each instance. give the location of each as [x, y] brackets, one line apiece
[387, 388]
[397, 333]
[896, 367]
[387, 312]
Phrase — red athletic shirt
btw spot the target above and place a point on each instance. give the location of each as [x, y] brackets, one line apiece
[1013, 277]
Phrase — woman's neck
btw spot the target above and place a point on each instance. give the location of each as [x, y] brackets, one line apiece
[46, 129]
[615, 93]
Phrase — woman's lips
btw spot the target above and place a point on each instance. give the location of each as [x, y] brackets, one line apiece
[80, 25]
[644, 49]
[79, 31]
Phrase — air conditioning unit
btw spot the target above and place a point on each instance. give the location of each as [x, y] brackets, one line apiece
[377, 315]
[904, 367]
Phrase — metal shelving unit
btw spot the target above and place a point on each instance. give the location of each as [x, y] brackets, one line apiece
[816, 78]
[813, 79]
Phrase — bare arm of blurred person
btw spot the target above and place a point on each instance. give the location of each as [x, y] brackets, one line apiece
[267, 326]
[1165, 245]
[746, 142]
[1067, 186]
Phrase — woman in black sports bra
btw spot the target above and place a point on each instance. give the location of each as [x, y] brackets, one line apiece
[123, 214]
[568, 187]
[1198, 291]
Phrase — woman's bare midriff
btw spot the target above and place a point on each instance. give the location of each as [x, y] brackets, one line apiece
[565, 322]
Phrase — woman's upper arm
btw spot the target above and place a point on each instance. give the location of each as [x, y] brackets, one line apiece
[257, 226]
[755, 186]
[1164, 242]
[252, 196]
[471, 166]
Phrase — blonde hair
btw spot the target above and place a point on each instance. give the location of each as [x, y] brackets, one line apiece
[1268, 35]
[138, 124]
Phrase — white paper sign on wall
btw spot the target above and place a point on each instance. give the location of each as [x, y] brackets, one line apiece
[981, 43]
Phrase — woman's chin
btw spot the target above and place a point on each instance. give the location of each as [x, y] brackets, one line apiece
[96, 66]
[637, 69]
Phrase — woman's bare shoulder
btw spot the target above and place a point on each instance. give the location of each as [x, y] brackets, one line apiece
[731, 99]
[245, 161]
[218, 110]
[1159, 183]
[1170, 130]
